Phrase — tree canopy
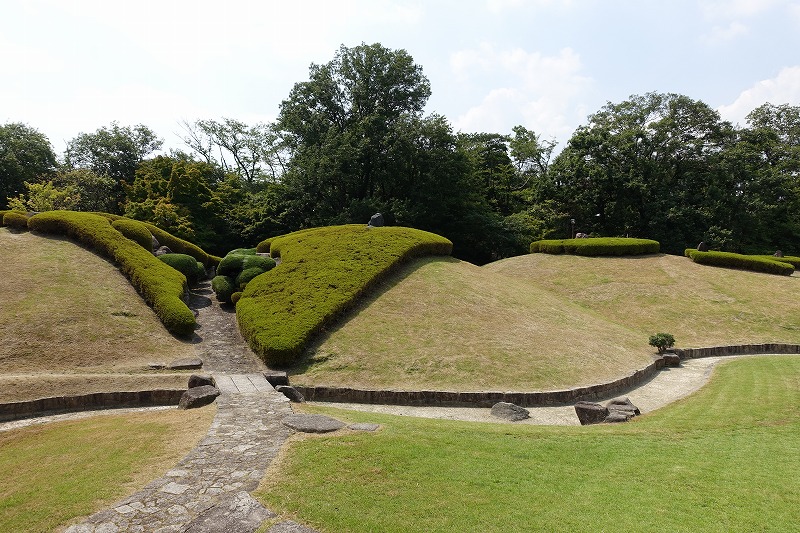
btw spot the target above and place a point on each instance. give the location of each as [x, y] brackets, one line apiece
[25, 156]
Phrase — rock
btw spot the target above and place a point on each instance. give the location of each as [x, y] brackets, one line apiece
[198, 380]
[157, 366]
[364, 426]
[617, 417]
[161, 250]
[155, 244]
[313, 423]
[590, 412]
[671, 359]
[702, 247]
[291, 393]
[622, 404]
[198, 397]
[276, 377]
[510, 411]
[236, 513]
[290, 527]
[189, 363]
[376, 221]
[778, 253]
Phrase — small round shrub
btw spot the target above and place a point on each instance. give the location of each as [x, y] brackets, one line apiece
[135, 231]
[662, 341]
[224, 287]
[258, 261]
[186, 265]
[235, 297]
[231, 264]
[16, 220]
[246, 275]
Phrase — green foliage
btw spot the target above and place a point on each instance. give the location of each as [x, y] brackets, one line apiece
[25, 156]
[224, 287]
[233, 262]
[263, 246]
[597, 246]
[45, 197]
[246, 275]
[662, 341]
[768, 264]
[235, 297]
[792, 260]
[161, 286]
[240, 266]
[15, 219]
[181, 246]
[2, 213]
[186, 265]
[322, 273]
[135, 231]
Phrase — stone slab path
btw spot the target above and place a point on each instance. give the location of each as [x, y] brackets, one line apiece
[209, 490]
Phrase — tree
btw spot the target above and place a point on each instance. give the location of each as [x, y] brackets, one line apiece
[25, 156]
[113, 151]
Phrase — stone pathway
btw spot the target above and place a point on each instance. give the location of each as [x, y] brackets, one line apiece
[208, 491]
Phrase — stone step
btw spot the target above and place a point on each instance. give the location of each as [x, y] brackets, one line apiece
[242, 383]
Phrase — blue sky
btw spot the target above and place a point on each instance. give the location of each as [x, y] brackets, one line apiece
[72, 66]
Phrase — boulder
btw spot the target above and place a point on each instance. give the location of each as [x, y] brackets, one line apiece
[161, 250]
[510, 411]
[313, 423]
[702, 247]
[276, 377]
[189, 363]
[155, 244]
[617, 417]
[198, 380]
[291, 393]
[622, 404]
[376, 221]
[590, 412]
[778, 253]
[198, 397]
[671, 359]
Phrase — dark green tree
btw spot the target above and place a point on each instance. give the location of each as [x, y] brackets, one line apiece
[25, 156]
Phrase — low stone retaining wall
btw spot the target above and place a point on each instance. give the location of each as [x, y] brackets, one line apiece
[741, 349]
[85, 402]
[478, 399]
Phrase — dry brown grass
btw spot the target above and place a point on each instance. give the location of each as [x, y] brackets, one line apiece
[65, 311]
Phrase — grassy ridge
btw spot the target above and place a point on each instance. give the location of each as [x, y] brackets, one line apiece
[322, 272]
[725, 459]
[161, 286]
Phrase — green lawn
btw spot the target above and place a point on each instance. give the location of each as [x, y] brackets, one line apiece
[724, 459]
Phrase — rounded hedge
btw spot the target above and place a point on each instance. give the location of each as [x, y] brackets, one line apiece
[235, 297]
[233, 262]
[600, 246]
[135, 231]
[246, 275]
[224, 287]
[15, 219]
[744, 262]
[186, 265]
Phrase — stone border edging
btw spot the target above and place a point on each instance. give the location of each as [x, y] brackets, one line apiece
[85, 402]
[530, 399]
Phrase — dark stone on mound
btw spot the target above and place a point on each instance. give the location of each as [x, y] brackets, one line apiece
[702, 247]
[291, 393]
[313, 423]
[198, 397]
[590, 412]
[162, 250]
[155, 244]
[510, 411]
[198, 380]
[671, 359]
[622, 404]
[189, 363]
[276, 377]
[376, 220]
[235, 513]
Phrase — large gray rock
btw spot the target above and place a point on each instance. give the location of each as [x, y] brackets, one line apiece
[161, 250]
[313, 423]
[590, 412]
[622, 404]
[188, 363]
[155, 244]
[235, 513]
[702, 247]
[198, 397]
[376, 220]
[291, 393]
[510, 411]
[198, 380]
[671, 359]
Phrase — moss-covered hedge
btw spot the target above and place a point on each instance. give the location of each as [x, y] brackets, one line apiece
[15, 219]
[768, 264]
[791, 259]
[160, 285]
[180, 246]
[186, 265]
[597, 246]
[2, 214]
[322, 273]
[135, 231]
[223, 287]
[238, 268]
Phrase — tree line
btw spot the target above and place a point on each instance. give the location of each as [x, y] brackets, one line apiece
[353, 140]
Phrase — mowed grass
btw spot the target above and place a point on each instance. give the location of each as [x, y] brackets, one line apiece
[65, 312]
[700, 305]
[56, 472]
[446, 324]
[725, 459]
[539, 321]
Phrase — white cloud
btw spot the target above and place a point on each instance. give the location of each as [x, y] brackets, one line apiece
[541, 92]
[782, 89]
[730, 32]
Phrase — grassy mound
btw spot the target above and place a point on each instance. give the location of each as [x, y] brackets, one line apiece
[161, 286]
[322, 272]
[597, 246]
[755, 263]
[15, 219]
[729, 451]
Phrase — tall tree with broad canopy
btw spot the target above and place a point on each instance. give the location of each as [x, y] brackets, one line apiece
[25, 156]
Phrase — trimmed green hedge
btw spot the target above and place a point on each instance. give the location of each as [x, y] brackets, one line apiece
[186, 265]
[768, 264]
[233, 262]
[15, 219]
[223, 287]
[180, 246]
[135, 231]
[792, 260]
[160, 285]
[323, 271]
[240, 266]
[2, 214]
[597, 246]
